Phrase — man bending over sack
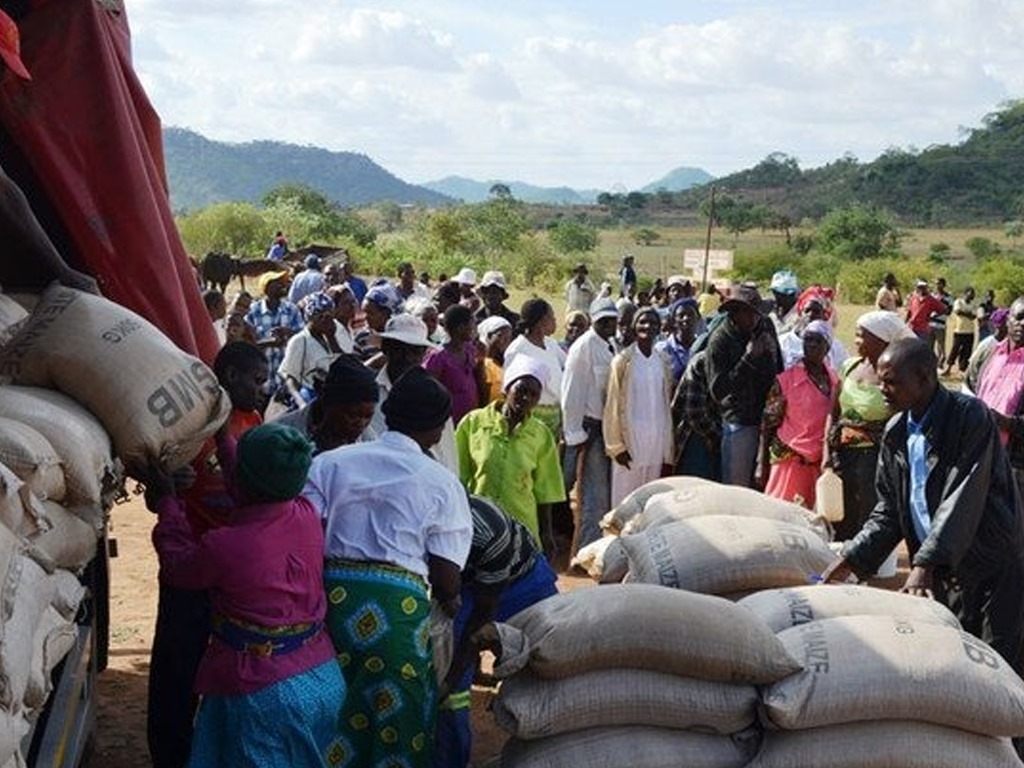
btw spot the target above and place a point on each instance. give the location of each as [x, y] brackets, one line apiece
[945, 486]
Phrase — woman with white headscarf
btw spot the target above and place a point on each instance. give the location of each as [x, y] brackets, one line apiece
[859, 417]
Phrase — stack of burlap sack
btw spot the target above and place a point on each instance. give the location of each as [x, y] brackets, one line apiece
[87, 389]
[888, 680]
[634, 675]
[809, 677]
[693, 534]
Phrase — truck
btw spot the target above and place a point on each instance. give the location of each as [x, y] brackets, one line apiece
[84, 201]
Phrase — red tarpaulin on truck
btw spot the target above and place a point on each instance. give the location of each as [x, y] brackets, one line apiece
[93, 144]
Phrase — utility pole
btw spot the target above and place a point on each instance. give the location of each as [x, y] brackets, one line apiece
[707, 240]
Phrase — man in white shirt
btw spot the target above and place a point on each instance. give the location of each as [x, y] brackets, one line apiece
[579, 291]
[584, 386]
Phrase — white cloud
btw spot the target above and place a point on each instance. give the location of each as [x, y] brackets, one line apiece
[373, 39]
[607, 94]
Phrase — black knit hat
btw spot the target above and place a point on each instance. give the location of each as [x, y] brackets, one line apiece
[349, 381]
[417, 403]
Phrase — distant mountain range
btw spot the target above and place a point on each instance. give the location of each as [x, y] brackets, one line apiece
[202, 172]
[472, 191]
[680, 180]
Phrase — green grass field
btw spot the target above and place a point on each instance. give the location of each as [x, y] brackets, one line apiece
[665, 257]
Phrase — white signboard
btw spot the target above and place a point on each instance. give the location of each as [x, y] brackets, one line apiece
[718, 261]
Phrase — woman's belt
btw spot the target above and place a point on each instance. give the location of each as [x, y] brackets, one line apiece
[263, 641]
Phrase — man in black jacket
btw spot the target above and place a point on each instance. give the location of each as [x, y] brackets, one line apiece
[742, 360]
[945, 486]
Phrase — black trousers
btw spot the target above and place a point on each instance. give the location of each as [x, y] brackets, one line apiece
[992, 608]
[182, 633]
[960, 352]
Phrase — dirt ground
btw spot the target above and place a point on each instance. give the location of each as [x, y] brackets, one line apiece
[121, 727]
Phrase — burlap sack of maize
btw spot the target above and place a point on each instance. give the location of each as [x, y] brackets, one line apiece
[54, 638]
[634, 503]
[604, 560]
[156, 401]
[630, 747]
[12, 314]
[789, 607]
[25, 592]
[529, 707]
[13, 728]
[718, 555]
[880, 744]
[78, 438]
[729, 500]
[642, 626]
[20, 510]
[883, 668]
[29, 455]
[68, 542]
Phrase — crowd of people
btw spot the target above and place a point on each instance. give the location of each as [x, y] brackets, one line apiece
[437, 442]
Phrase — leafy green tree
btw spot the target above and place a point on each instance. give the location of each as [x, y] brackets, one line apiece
[501, 191]
[803, 243]
[497, 225]
[982, 247]
[236, 228]
[572, 236]
[646, 236]
[446, 229]
[1014, 230]
[304, 196]
[857, 232]
[390, 214]
[1002, 275]
[938, 253]
[636, 200]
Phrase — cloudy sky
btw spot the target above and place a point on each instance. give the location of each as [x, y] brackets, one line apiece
[608, 94]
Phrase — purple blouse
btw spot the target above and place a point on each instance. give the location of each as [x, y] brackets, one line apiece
[458, 374]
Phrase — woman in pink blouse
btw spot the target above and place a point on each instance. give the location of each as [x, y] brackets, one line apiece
[270, 684]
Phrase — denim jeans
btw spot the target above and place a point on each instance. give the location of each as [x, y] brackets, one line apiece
[739, 453]
[595, 478]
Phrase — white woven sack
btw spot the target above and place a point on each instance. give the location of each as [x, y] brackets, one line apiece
[78, 438]
[70, 542]
[730, 500]
[604, 560]
[29, 455]
[881, 744]
[20, 510]
[719, 555]
[641, 626]
[630, 747]
[789, 607]
[54, 638]
[883, 668]
[14, 726]
[25, 592]
[635, 502]
[529, 707]
[12, 314]
[157, 402]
